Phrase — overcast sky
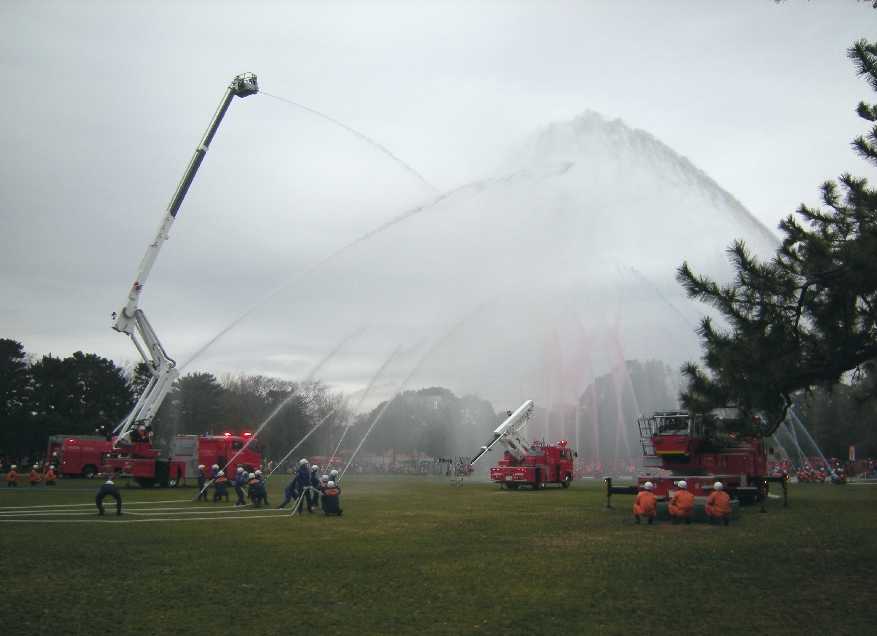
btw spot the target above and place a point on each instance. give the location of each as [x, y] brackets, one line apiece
[104, 103]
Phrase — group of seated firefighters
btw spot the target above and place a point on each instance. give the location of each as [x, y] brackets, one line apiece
[681, 504]
[34, 477]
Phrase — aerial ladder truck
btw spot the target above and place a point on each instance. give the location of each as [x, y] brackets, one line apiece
[523, 463]
[132, 449]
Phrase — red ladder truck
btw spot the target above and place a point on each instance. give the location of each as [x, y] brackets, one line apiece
[132, 450]
[527, 464]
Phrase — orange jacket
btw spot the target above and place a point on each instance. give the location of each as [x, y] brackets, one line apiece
[12, 476]
[718, 504]
[33, 476]
[645, 504]
[681, 503]
[50, 475]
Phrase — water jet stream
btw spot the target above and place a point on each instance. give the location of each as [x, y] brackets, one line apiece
[475, 187]
[290, 397]
[381, 147]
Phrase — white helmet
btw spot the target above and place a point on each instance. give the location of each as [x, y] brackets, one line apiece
[315, 468]
[109, 480]
[220, 473]
[240, 469]
[303, 462]
[683, 484]
[252, 476]
[333, 472]
[718, 486]
[14, 466]
[215, 466]
[649, 485]
[258, 473]
[36, 465]
[201, 466]
[331, 484]
[324, 477]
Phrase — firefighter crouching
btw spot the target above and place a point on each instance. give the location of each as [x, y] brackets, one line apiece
[681, 504]
[220, 487]
[34, 475]
[108, 489]
[331, 499]
[645, 504]
[12, 477]
[718, 504]
[50, 476]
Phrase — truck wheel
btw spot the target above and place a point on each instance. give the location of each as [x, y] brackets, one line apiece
[89, 471]
[567, 479]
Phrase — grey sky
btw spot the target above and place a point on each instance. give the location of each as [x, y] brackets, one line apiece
[105, 102]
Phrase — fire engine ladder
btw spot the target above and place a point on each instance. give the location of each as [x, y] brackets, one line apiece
[646, 430]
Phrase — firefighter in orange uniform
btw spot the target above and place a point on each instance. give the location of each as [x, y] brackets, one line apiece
[34, 475]
[718, 504]
[12, 477]
[646, 504]
[50, 476]
[681, 504]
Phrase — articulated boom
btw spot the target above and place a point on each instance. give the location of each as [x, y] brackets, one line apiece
[131, 320]
[510, 433]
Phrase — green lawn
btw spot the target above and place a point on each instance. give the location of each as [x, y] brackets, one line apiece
[416, 555]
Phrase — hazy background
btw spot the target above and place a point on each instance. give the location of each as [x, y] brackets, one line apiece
[552, 269]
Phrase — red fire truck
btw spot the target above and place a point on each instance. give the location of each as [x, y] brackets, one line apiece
[532, 464]
[721, 446]
[86, 455]
[77, 456]
[148, 467]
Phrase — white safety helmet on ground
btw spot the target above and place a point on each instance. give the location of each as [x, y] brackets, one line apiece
[683, 484]
[718, 486]
[315, 468]
[331, 484]
[649, 485]
[302, 462]
[252, 475]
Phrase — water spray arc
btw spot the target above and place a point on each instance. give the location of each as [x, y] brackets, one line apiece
[432, 349]
[310, 376]
[381, 147]
[362, 397]
[474, 188]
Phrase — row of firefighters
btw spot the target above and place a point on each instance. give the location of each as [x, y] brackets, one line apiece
[34, 476]
[307, 488]
[681, 504]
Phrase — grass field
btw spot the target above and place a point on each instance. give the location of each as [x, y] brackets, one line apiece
[415, 555]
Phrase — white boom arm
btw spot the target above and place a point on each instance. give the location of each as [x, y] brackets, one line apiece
[131, 320]
[511, 433]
